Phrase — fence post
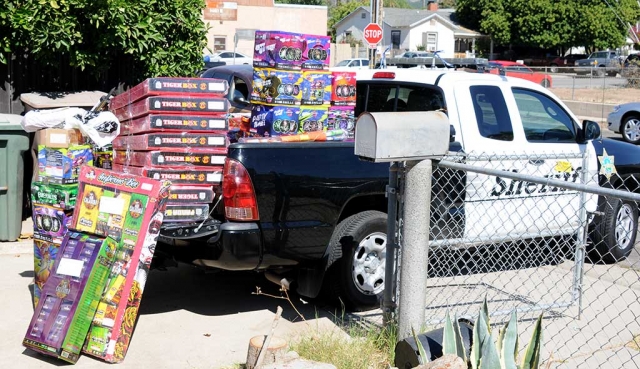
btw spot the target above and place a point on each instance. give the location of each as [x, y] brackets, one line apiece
[581, 240]
[573, 87]
[415, 247]
[388, 303]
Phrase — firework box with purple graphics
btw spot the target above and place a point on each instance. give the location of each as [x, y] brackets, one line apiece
[276, 87]
[70, 296]
[61, 165]
[278, 49]
[50, 224]
[342, 117]
[317, 52]
[316, 88]
[274, 120]
[109, 338]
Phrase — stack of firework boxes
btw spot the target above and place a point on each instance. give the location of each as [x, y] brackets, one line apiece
[54, 188]
[175, 129]
[90, 301]
[293, 90]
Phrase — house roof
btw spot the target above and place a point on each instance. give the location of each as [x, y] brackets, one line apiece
[397, 18]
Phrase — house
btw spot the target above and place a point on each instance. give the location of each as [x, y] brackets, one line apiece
[234, 21]
[410, 29]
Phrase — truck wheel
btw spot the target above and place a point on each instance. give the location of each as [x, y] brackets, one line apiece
[631, 129]
[554, 68]
[358, 252]
[545, 83]
[615, 235]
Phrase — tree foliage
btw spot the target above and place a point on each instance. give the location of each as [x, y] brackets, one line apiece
[344, 8]
[160, 37]
[595, 24]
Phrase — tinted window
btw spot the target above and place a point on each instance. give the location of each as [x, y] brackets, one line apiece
[543, 119]
[491, 112]
[388, 97]
[365, 63]
[226, 55]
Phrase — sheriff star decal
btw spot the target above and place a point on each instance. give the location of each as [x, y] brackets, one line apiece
[607, 168]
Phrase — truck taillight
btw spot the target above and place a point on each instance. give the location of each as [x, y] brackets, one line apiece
[386, 75]
[237, 191]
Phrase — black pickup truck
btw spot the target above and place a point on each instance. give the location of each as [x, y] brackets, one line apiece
[315, 213]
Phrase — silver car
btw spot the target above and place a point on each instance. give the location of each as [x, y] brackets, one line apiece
[625, 119]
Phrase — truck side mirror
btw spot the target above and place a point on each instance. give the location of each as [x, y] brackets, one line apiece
[452, 133]
[590, 130]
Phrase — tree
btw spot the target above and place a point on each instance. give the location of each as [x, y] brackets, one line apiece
[338, 12]
[550, 23]
[158, 37]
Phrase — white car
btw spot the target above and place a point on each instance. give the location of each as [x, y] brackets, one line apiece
[228, 58]
[352, 64]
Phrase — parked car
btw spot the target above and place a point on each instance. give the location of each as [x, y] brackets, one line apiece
[599, 64]
[355, 63]
[518, 70]
[625, 119]
[565, 61]
[230, 58]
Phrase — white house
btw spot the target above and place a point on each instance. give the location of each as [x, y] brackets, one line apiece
[408, 29]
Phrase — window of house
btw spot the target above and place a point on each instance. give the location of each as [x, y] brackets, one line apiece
[395, 39]
[491, 112]
[219, 43]
[543, 119]
[363, 15]
[430, 41]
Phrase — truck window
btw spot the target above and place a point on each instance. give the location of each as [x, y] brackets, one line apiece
[390, 97]
[543, 119]
[492, 115]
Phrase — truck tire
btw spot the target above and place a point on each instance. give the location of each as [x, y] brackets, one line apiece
[614, 235]
[554, 68]
[545, 83]
[357, 257]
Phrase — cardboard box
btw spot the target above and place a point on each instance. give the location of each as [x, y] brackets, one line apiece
[278, 49]
[185, 105]
[317, 52]
[170, 86]
[112, 327]
[61, 166]
[59, 138]
[175, 123]
[70, 296]
[274, 120]
[186, 194]
[178, 174]
[103, 156]
[152, 141]
[316, 88]
[343, 88]
[186, 213]
[49, 223]
[44, 256]
[57, 196]
[173, 157]
[271, 86]
[313, 118]
[342, 117]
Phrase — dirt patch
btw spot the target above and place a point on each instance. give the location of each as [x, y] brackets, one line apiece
[595, 95]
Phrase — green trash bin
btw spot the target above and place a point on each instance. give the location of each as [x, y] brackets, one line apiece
[14, 142]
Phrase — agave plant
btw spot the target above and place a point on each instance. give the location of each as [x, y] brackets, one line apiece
[485, 353]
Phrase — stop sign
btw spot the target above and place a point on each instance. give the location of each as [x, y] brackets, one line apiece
[373, 34]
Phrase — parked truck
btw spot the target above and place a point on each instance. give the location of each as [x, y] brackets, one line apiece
[315, 214]
[599, 63]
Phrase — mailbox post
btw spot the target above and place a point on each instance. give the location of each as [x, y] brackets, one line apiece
[415, 138]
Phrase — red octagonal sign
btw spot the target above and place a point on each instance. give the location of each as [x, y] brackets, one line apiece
[373, 34]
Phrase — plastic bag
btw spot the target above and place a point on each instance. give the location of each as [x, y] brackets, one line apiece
[36, 120]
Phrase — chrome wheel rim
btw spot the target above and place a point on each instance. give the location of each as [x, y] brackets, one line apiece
[368, 264]
[624, 226]
[632, 129]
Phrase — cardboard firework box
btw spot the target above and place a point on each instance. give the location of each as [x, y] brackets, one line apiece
[57, 196]
[178, 174]
[171, 157]
[50, 225]
[113, 323]
[61, 165]
[151, 141]
[170, 86]
[70, 296]
[188, 194]
[175, 122]
[185, 104]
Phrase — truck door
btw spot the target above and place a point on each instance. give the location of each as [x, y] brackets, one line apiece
[518, 130]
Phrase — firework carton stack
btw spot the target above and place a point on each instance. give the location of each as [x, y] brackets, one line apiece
[60, 154]
[292, 87]
[175, 129]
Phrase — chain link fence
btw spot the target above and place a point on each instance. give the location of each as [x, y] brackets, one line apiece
[522, 232]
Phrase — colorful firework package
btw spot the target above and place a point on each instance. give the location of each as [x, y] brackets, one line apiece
[103, 156]
[313, 118]
[172, 104]
[271, 86]
[316, 88]
[176, 122]
[343, 88]
[57, 196]
[171, 157]
[182, 175]
[342, 117]
[129, 209]
[151, 141]
[70, 295]
[61, 165]
[274, 120]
